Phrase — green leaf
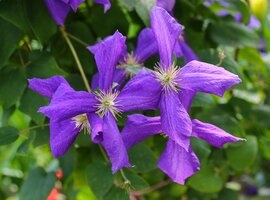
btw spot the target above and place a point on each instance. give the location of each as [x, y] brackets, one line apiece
[243, 7]
[7, 10]
[242, 154]
[206, 180]
[43, 65]
[245, 11]
[213, 56]
[117, 194]
[142, 7]
[68, 163]
[8, 135]
[232, 34]
[142, 158]
[201, 148]
[12, 84]
[30, 103]
[226, 194]
[31, 17]
[37, 185]
[99, 178]
[10, 36]
[41, 136]
[113, 20]
[137, 182]
[40, 20]
[202, 99]
[261, 114]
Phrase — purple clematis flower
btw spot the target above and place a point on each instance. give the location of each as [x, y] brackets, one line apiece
[101, 108]
[175, 161]
[64, 133]
[171, 82]
[59, 9]
[182, 48]
[130, 64]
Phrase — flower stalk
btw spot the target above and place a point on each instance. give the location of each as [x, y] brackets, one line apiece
[76, 58]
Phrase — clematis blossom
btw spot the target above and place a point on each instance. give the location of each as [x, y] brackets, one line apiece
[173, 82]
[176, 162]
[131, 63]
[64, 133]
[59, 9]
[102, 108]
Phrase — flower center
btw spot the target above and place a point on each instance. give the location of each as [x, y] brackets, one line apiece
[81, 122]
[130, 59]
[166, 76]
[131, 64]
[108, 103]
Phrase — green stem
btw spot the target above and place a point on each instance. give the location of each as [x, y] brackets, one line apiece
[77, 40]
[151, 188]
[126, 180]
[75, 55]
[24, 131]
[103, 153]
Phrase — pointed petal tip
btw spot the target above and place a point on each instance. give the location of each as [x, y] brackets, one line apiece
[116, 169]
[205, 77]
[106, 8]
[212, 134]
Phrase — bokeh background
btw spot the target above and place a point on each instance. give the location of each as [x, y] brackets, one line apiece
[220, 32]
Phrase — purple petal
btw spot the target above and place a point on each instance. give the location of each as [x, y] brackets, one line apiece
[94, 82]
[96, 124]
[141, 93]
[107, 53]
[58, 10]
[113, 144]
[175, 120]
[62, 136]
[139, 127]
[146, 45]
[46, 87]
[106, 3]
[69, 104]
[187, 52]
[119, 78]
[186, 97]
[177, 163]
[254, 23]
[212, 134]
[204, 77]
[166, 4]
[167, 32]
[61, 90]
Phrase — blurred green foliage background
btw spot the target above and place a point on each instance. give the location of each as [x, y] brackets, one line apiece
[31, 45]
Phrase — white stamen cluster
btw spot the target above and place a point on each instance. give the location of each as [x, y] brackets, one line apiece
[167, 76]
[108, 103]
[81, 121]
[130, 60]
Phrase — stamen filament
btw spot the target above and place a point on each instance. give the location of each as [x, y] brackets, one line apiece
[166, 76]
